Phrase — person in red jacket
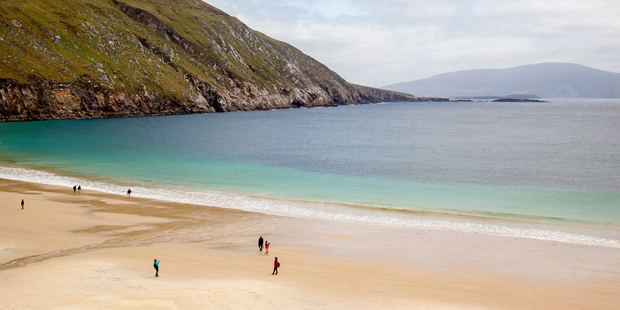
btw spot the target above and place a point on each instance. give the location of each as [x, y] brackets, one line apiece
[276, 264]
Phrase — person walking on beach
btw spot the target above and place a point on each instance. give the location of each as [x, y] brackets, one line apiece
[79, 188]
[22, 204]
[276, 264]
[260, 243]
[266, 247]
[129, 193]
[74, 188]
[156, 266]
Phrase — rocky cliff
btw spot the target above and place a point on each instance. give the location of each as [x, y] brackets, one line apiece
[115, 58]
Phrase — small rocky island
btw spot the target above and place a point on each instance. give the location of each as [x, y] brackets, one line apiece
[517, 100]
[509, 98]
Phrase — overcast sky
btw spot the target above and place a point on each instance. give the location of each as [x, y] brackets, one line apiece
[380, 42]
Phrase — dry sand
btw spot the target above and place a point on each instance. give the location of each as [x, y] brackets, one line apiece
[95, 251]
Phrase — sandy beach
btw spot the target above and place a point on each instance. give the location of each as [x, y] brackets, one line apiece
[95, 251]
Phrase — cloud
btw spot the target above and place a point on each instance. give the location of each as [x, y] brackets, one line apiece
[377, 43]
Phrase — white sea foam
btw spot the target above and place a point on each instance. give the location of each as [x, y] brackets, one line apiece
[301, 209]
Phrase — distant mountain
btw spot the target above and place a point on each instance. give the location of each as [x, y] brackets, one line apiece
[64, 59]
[548, 80]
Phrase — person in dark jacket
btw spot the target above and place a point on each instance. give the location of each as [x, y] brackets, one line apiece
[260, 243]
[22, 204]
[276, 264]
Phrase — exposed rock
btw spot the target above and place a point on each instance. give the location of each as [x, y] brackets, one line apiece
[138, 63]
[517, 100]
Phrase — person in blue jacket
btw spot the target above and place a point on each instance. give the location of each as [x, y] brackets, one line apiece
[156, 266]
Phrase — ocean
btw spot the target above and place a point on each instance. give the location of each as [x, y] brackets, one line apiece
[546, 171]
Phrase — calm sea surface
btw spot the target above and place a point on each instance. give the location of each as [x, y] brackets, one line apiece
[554, 161]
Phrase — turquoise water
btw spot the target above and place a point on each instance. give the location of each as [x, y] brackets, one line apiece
[557, 160]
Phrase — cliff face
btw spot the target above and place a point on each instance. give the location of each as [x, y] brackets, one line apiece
[115, 58]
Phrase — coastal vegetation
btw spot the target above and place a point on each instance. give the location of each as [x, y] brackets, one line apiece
[113, 58]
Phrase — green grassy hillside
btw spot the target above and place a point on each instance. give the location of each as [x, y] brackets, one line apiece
[171, 51]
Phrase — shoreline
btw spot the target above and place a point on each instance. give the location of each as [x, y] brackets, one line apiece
[95, 250]
[606, 234]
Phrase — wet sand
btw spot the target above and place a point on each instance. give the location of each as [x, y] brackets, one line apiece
[95, 251]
